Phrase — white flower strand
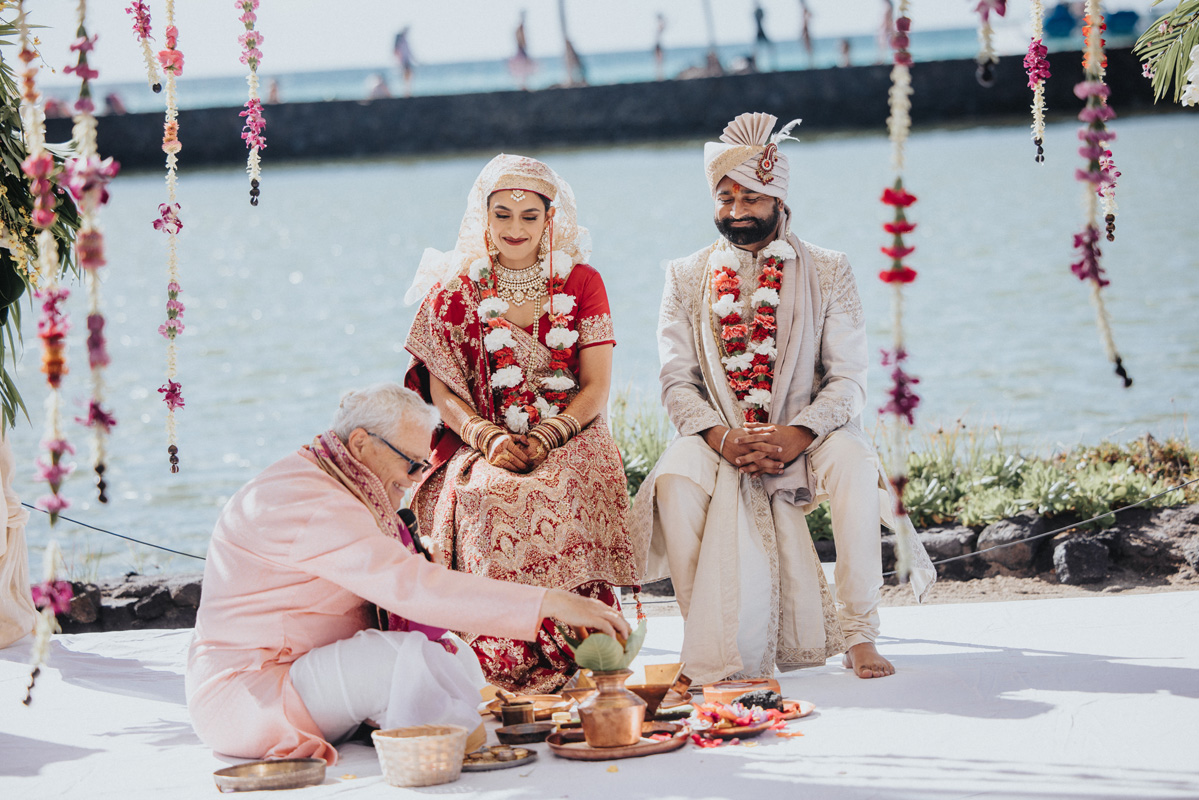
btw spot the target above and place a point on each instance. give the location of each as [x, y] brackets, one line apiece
[899, 122]
[1037, 12]
[1190, 94]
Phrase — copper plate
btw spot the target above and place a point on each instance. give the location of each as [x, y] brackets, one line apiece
[526, 756]
[285, 773]
[743, 732]
[572, 744]
[674, 699]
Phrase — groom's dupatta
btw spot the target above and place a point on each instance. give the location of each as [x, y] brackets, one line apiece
[336, 461]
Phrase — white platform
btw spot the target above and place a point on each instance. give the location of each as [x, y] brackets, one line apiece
[1064, 698]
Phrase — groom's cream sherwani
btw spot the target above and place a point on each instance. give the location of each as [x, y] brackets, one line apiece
[737, 547]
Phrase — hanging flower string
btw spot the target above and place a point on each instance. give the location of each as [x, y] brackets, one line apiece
[169, 223]
[749, 345]
[251, 56]
[1097, 177]
[141, 26]
[51, 597]
[87, 178]
[1036, 64]
[53, 325]
[903, 399]
[520, 406]
[986, 58]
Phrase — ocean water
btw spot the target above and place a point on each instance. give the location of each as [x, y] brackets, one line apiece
[292, 302]
[602, 68]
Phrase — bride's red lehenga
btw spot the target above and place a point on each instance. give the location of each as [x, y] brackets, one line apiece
[565, 524]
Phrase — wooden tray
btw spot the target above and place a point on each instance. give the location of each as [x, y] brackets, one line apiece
[743, 732]
[571, 744]
[544, 705]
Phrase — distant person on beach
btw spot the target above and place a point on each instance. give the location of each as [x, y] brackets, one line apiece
[403, 54]
[113, 104]
[377, 88]
[272, 92]
[805, 30]
[885, 31]
[764, 359]
[659, 52]
[844, 57]
[513, 344]
[286, 660]
[761, 40]
[520, 65]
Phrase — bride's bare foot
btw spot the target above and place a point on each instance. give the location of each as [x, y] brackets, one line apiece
[865, 661]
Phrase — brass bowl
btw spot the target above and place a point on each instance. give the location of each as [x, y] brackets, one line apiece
[285, 773]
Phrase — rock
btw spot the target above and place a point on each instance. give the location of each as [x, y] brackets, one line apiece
[951, 542]
[1190, 552]
[186, 593]
[888, 547]
[662, 587]
[1005, 544]
[1081, 560]
[136, 585]
[85, 605]
[826, 551]
[153, 605]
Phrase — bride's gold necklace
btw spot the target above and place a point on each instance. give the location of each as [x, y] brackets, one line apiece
[519, 285]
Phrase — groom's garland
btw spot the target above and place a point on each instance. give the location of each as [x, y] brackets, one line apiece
[520, 407]
[750, 374]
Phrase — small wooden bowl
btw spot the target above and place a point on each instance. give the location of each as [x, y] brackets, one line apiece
[526, 733]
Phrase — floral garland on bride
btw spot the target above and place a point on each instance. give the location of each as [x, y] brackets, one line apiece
[520, 406]
[750, 375]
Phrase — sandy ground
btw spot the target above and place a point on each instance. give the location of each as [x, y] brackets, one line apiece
[993, 589]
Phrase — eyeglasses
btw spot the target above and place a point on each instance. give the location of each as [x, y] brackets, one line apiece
[414, 466]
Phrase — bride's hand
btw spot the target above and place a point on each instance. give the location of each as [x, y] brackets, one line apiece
[506, 452]
[536, 453]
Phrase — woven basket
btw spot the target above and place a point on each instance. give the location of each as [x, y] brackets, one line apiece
[421, 755]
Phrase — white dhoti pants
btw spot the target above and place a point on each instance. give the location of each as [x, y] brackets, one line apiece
[392, 677]
[847, 472]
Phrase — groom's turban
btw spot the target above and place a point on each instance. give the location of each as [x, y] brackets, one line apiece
[749, 154]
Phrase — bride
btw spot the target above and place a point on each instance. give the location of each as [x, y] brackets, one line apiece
[513, 344]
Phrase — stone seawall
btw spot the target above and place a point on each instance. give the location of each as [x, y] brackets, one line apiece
[1149, 543]
[855, 98]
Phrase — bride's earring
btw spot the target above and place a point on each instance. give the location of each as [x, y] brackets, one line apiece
[491, 248]
[544, 250]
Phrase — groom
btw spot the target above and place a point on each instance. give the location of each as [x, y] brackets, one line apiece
[764, 359]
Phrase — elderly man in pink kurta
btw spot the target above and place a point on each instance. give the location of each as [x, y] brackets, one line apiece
[283, 662]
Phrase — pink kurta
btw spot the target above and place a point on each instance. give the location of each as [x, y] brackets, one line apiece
[292, 558]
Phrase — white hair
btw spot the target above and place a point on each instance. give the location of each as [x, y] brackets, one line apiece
[383, 409]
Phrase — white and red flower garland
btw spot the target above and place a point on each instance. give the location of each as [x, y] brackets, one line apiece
[141, 26]
[251, 56]
[87, 178]
[1099, 177]
[903, 399]
[520, 406]
[749, 344]
[51, 597]
[169, 222]
[40, 167]
[986, 58]
[1036, 64]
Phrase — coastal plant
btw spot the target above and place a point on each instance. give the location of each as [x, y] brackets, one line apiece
[641, 432]
[1169, 49]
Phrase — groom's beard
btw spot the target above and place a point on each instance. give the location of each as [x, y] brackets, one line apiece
[742, 235]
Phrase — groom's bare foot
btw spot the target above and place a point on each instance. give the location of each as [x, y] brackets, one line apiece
[865, 661]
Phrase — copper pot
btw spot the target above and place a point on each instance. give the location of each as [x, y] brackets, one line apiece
[612, 717]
